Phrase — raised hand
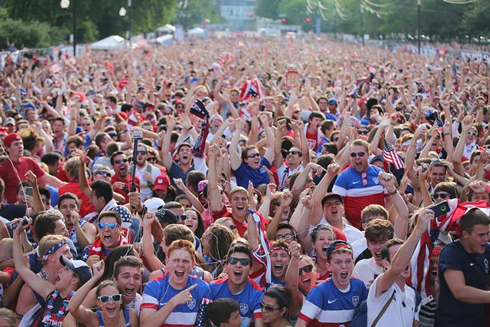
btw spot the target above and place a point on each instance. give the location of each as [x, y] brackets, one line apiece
[98, 269]
[333, 169]
[295, 249]
[148, 219]
[184, 296]
[286, 199]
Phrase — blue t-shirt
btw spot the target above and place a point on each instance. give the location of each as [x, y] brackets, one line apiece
[249, 298]
[159, 291]
[475, 268]
[245, 173]
[326, 305]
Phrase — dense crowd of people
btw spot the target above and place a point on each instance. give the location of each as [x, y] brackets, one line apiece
[238, 182]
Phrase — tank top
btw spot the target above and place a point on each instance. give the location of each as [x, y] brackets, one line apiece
[126, 317]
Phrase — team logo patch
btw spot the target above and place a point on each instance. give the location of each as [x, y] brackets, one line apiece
[355, 300]
[191, 304]
[376, 180]
[243, 308]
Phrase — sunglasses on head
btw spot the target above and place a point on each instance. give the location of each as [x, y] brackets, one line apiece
[243, 261]
[109, 225]
[104, 173]
[267, 307]
[119, 161]
[358, 154]
[306, 269]
[107, 298]
[442, 195]
[255, 155]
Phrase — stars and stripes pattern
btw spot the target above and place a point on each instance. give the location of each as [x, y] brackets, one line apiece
[201, 318]
[390, 156]
[199, 109]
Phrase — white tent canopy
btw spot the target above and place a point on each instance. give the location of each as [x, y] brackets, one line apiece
[110, 43]
[165, 39]
[166, 28]
[196, 31]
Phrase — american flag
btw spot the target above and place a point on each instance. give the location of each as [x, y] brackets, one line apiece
[199, 109]
[224, 58]
[390, 156]
[201, 318]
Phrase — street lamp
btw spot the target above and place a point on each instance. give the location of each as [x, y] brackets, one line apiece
[64, 4]
[418, 23]
[122, 13]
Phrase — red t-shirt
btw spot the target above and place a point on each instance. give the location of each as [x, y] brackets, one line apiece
[312, 140]
[85, 207]
[14, 175]
[127, 185]
[240, 227]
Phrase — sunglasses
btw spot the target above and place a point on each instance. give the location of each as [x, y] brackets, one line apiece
[108, 225]
[143, 153]
[472, 133]
[182, 217]
[283, 237]
[119, 161]
[255, 155]
[178, 128]
[363, 132]
[358, 154]
[442, 195]
[268, 308]
[104, 173]
[295, 152]
[243, 262]
[151, 159]
[107, 298]
[307, 269]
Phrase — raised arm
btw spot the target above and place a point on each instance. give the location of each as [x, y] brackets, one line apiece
[401, 222]
[269, 136]
[404, 253]
[235, 158]
[215, 200]
[151, 259]
[79, 312]
[286, 198]
[165, 153]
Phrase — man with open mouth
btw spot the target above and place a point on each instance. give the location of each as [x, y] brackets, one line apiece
[280, 258]
[359, 184]
[237, 285]
[122, 176]
[333, 302]
[390, 299]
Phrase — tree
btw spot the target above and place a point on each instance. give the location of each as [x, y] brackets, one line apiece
[268, 9]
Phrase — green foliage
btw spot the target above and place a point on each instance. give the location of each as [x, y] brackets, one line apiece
[32, 35]
[268, 9]
[197, 11]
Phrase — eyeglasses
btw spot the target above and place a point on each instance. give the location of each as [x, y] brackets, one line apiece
[285, 237]
[243, 261]
[143, 153]
[268, 308]
[108, 225]
[442, 195]
[152, 159]
[107, 298]
[359, 154]
[182, 217]
[295, 152]
[255, 155]
[119, 161]
[307, 269]
[104, 173]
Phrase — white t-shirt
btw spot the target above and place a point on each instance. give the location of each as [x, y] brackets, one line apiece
[366, 270]
[351, 233]
[401, 312]
[359, 246]
[145, 190]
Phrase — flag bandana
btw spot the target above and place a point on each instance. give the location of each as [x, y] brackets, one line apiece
[251, 89]
[199, 109]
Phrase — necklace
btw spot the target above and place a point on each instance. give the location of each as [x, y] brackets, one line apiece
[62, 310]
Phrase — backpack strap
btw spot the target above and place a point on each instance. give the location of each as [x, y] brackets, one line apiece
[385, 307]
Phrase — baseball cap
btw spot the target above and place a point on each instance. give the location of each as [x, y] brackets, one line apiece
[80, 268]
[9, 121]
[331, 195]
[161, 182]
[9, 139]
[333, 101]
[153, 204]
[378, 157]
[166, 216]
[338, 245]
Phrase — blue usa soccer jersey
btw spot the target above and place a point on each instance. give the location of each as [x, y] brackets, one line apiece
[159, 291]
[249, 298]
[327, 306]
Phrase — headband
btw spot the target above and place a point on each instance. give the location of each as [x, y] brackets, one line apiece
[280, 296]
[53, 249]
[275, 248]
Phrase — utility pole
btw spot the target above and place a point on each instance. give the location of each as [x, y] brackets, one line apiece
[362, 26]
[418, 23]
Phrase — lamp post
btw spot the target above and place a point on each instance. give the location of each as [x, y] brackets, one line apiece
[418, 23]
[64, 4]
[129, 23]
[122, 13]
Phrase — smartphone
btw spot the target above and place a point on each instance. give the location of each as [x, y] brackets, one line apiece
[440, 208]
[29, 191]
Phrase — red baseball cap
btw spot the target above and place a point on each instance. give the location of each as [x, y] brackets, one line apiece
[161, 182]
[12, 137]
